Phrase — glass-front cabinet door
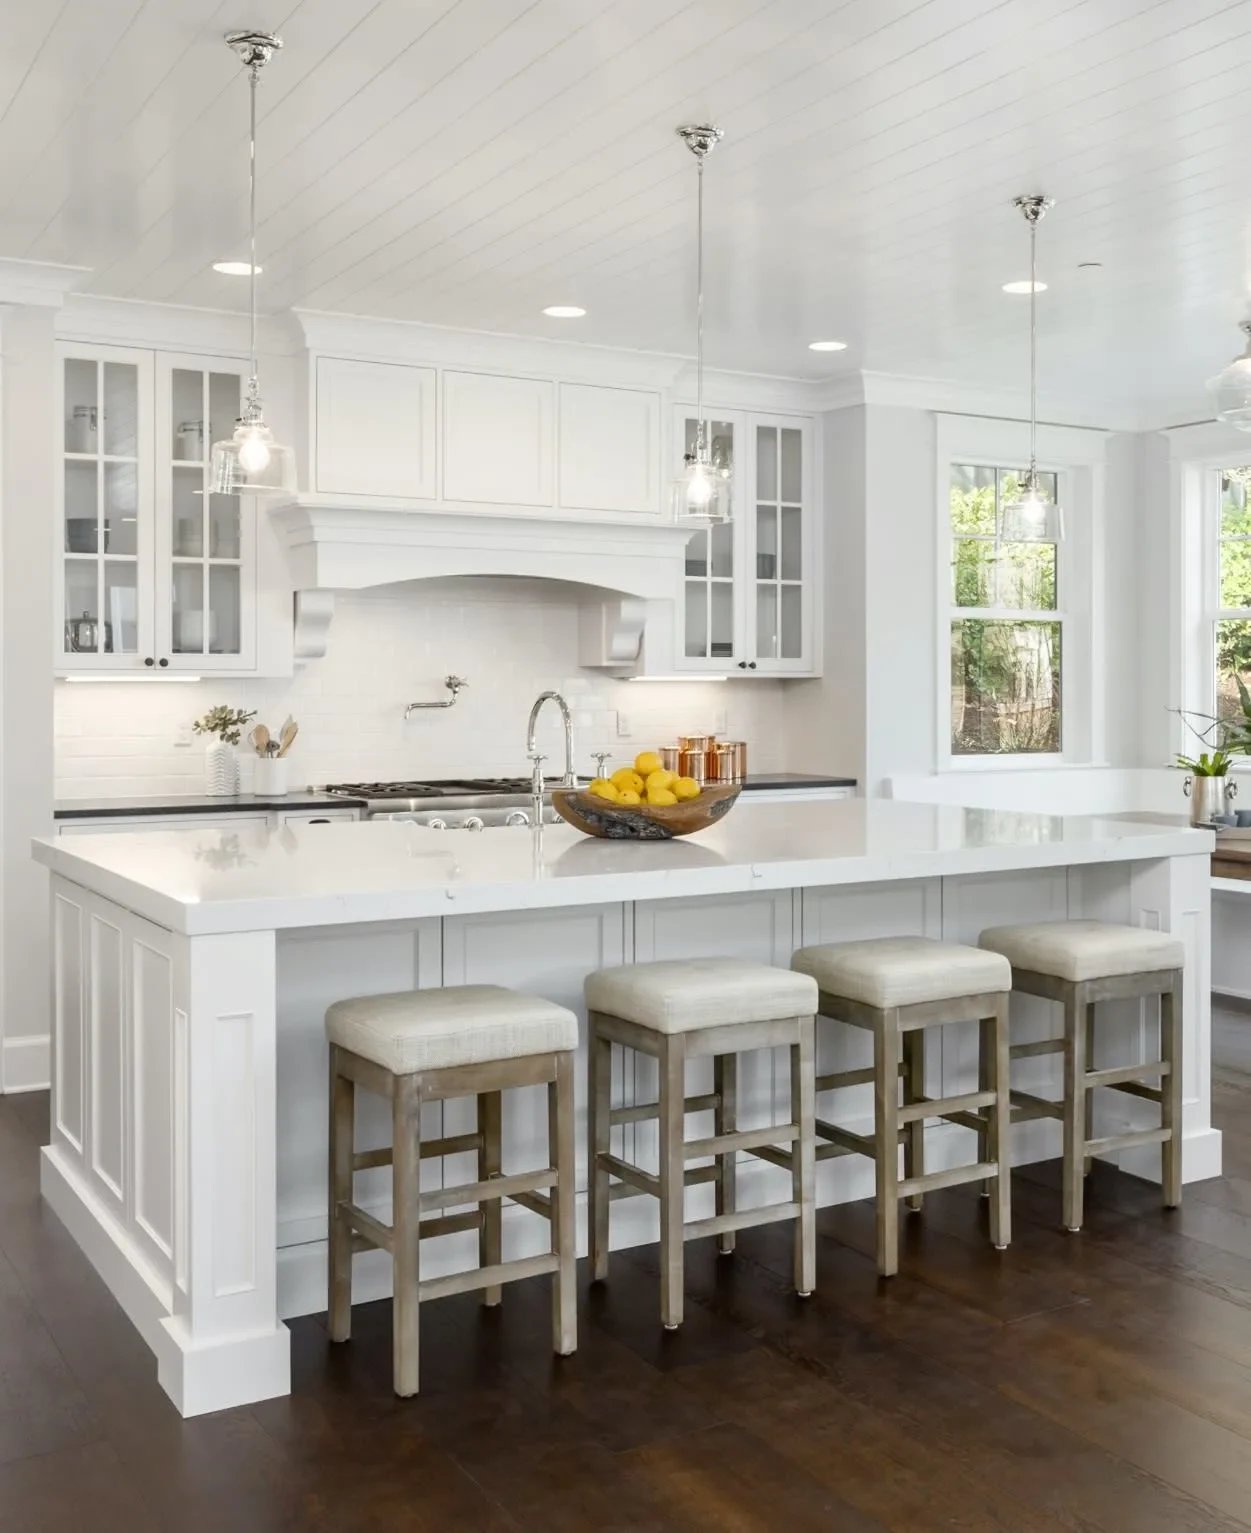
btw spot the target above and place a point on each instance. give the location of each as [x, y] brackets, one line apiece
[205, 543]
[154, 573]
[104, 591]
[712, 597]
[779, 535]
[747, 592]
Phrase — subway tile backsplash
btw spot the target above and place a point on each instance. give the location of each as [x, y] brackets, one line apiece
[510, 639]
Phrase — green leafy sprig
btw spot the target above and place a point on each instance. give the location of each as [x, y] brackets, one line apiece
[226, 723]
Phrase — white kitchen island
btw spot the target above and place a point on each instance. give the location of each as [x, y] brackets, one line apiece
[192, 969]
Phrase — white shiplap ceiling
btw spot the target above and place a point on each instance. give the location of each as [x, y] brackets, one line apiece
[467, 162]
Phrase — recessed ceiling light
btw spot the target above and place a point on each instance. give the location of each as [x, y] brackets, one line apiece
[564, 311]
[827, 345]
[1025, 286]
[236, 268]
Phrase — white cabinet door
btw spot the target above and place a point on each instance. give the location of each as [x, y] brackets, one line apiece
[375, 425]
[609, 449]
[206, 561]
[104, 579]
[497, 439]
[779, 538]
[711, 622]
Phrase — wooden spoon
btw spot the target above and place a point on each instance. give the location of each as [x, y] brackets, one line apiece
[260, 740]
[287, 738]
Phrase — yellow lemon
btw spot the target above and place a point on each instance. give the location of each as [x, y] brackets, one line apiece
[647, 762]
[660, 797]
[660, 779]
[628, 796]
[596, 783]
[686, 787]
[627, 777]
[606, 790]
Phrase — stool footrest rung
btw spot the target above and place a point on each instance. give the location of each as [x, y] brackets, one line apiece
[746, 1139]
[646, 1110]
[369, 1229]
[431, 1149]
[493, 1187]
[488, 1277]
[956, 1176]
[976, 1121]
[1033, 1050]
[1137, 1089]
[741, 1219]
[837, 1079]
[942, 1107]
[1026, 1107]
[634, 1180]
[370, 1234]
[537, 1202]
[1125, 1074]
[857, 1144]
[1128, 1141]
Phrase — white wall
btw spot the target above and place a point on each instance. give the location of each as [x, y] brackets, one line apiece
[511, 639]
[25, 696]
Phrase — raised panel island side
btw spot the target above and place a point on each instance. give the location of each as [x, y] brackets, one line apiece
[192, 970]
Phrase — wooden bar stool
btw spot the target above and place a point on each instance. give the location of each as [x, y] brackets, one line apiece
[429, 1045]
[696, 1009]
[895, 987]
[1078, 964]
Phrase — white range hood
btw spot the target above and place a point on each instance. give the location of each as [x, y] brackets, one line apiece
[624, 563]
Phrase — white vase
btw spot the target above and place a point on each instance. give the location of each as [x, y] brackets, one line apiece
[269, 780]
[221, 770]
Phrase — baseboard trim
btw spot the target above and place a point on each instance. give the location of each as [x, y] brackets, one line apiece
[25, 1065]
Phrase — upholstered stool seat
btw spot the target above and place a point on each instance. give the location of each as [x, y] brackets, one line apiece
[431, 1045]
[701, 1008]
[900, 971]
[415, 1030]
[680, 996]
[1079, 964]
[895, 987]
[1078, 950]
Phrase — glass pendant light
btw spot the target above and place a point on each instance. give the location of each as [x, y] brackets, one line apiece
[1232, 388]
[251, 462]
[701, 492]
[1029, 517]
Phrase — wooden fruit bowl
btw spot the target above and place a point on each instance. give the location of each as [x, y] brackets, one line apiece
[595, 816]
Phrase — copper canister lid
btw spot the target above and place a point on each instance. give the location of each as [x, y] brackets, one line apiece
[696, 742]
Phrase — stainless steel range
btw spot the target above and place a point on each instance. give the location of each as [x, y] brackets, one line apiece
[464, 803]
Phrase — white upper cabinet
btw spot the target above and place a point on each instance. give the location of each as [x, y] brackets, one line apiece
[375, 429]
[155, 574]
[749, 586]
[498, 439]
[609, 449]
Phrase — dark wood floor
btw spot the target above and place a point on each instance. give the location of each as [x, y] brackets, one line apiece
[1092, 1383]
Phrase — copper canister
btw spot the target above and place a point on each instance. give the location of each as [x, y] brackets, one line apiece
[693, 764]
[696, 742]
[727, 762]
[669, 755]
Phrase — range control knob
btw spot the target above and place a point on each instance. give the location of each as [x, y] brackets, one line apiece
[517, 817]
[472, 822]
[436, 824]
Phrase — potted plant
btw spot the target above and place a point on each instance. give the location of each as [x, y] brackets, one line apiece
[221, 765]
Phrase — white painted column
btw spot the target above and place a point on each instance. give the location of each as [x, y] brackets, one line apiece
[229, 1347]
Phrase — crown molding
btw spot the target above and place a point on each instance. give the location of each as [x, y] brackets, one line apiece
[391, 340]
[39, 283]
[170, 327]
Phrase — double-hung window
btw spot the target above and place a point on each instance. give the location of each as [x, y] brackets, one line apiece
[1007, 623]
[1229, 591]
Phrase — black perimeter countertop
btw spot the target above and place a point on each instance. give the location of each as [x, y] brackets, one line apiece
[311, 799]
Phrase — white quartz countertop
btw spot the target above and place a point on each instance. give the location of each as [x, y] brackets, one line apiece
[256, 879]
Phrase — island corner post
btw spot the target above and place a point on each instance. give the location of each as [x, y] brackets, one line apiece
[188, 1154]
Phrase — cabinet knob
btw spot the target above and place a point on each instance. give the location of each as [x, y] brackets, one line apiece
[148, 660]
[751, 665]
[163, 662]
[742, 665]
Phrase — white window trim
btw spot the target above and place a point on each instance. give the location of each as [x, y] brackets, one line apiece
[1197, 454]
[1078, 456]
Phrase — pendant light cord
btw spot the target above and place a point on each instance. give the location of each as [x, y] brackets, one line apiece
[253, 382]
[1033, 352]
[700, 430]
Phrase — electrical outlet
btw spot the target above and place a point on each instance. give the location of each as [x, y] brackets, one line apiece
[182, 739]
[623, 726]
[719, 724]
